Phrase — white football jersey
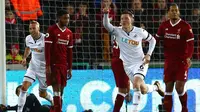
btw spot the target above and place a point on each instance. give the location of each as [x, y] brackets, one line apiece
[37, 62]
[130, 44]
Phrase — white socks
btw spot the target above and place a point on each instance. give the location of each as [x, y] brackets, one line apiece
[21, 100]
[136, 100]
[151, 88]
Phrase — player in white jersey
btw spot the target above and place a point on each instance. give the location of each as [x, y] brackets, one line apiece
[135, 62]
[36, 69]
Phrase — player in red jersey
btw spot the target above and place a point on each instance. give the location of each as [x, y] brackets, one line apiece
[58, 54]
[121, 79]
[178, 49]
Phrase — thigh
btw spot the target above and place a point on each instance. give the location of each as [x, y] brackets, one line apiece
[140, 69]
[169, 71]
[59, 75]
[181, 71]
[136, 69]
[121, 79]
[169, 86]
[30, 76]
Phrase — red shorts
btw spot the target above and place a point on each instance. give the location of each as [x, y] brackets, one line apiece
[58, 75]
[175, 70]
[121, 79]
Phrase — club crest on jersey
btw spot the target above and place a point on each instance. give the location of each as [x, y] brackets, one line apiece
[131, 42]
[178, 31]
[47, 35]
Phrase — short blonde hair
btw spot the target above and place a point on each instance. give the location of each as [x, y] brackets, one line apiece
[36, 23]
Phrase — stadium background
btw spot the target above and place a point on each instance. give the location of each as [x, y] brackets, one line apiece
[92, 85]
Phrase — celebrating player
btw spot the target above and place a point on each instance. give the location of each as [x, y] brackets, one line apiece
[178, 49]
[135, 62]
[58, 54]
[36, 69]
[121, 79]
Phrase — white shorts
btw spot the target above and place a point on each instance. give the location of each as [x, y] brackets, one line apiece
[137, 69]
[31, 76]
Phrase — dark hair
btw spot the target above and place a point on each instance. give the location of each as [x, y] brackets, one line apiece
[129, 12]
[61, 13]
[172, 4]
[17, 88]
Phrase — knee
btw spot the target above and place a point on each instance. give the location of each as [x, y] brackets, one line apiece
[42, 94]
[24, 88]
[123, 90]
[143, 90]
[136, 86]
[179, 89]
[180, 86]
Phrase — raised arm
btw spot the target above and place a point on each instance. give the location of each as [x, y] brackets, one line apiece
[106, 22]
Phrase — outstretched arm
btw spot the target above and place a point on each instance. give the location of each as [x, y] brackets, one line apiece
[106, 22]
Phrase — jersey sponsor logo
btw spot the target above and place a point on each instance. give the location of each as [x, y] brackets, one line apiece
[131, 42]
[36, 50]
[62, 41]
[172, 36]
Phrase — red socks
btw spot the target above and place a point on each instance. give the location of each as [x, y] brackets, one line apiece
[118, 103]
[183, 100]
[57, 103]
[168, 103]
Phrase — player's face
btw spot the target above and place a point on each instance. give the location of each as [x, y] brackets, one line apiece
[34, 29]
[64, 20]
[174, 13]
[126, 20]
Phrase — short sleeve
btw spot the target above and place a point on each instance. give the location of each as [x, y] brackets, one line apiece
[145, 35]
[49, 36]
[189, 34]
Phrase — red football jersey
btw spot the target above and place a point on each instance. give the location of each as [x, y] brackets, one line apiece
[115, 50]
[178, 39]
[57, 43]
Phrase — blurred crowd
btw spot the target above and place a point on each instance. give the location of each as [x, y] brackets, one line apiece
[92, 43]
